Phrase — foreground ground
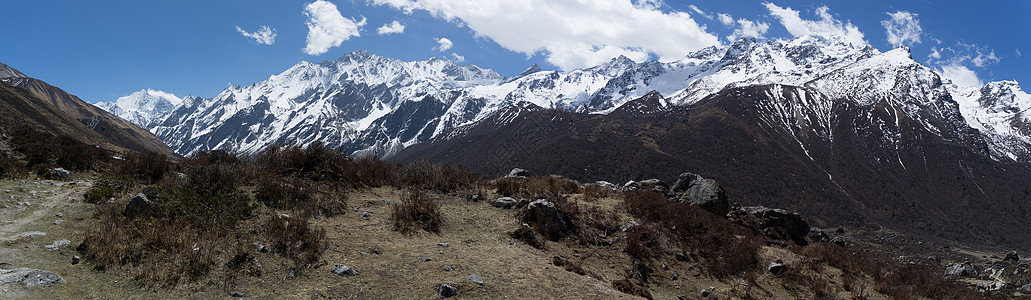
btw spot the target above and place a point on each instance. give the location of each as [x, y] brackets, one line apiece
[474, 240]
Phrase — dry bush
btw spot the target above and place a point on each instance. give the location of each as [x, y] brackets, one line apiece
[441, 178]
[508, 187]
[295, 239]
[644, 242]
[570, 213]
[147, 167]
[727, 249]
[629, 287]
[417, 211]
[594, 192]
[108, 187]
[44, 150]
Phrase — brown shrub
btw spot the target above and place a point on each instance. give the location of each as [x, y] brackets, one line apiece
[441, 178]
[417, 211]
[529, 236]
[295, 239]
[594, 192]
[147, 167]
[629, 287]
[643, 242]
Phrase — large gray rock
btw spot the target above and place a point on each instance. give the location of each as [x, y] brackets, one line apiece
[504, 202]
[343, 270]
[475, 279]
[61, 173]
[959, 270]
[138, 206]
[705, 193]
[776, 223]
[548, 219]
[517, 172]
[30, 277]
[446, 291]
[58, 244]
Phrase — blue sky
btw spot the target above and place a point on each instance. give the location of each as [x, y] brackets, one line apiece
[101, 50]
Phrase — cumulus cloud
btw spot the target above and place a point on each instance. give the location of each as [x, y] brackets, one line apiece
[743, 27]
[391, 28]
[327, 28]
[903, 28]
[457, 58]
[573, 34]
[960, 75]
[264, 35]
[826, 26]
[959, 63]
[444, 44]
[1017, 50]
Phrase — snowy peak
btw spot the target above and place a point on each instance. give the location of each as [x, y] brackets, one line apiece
[143, 106]
[9, 72]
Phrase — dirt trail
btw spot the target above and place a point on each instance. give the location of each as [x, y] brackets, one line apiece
[48, 198]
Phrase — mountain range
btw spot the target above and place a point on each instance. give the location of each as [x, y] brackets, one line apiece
[843, 133]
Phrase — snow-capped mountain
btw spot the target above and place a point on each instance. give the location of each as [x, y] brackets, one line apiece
[142, 107]
[371, 105]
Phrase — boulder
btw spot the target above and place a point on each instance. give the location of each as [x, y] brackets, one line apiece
[30, 277]
[138, 206]
[548, 219]
[607, 185]
[517, 172]
[1012, 256]
[60, 173]
[504, 202]
[779, 224]
[446, 291]
[817, 235]
[343, 270]
[959, 270]
[58, 245]
[705, 193]
[776, 268]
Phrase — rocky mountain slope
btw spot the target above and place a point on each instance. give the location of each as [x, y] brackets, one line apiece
[846, 162]
[39, 102]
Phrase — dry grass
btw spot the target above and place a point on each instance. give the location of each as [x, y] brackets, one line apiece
[417, 211]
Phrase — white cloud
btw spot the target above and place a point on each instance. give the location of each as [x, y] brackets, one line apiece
[960, 75]
[726, 19]
[391, 28]
[327, 28]
[743, 27]
[573, 34]
[903, 28]
[827, 26]
[1017, 50]
[935, 54]
[264, 35]
[457, 58]
[700, 12]
[444, 44]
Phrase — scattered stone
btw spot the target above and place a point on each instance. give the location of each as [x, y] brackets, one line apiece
[475, 279]
[58, 244]
[445, 245]
[59, 215]
[1026, 288]
[838, 240]
[363, 253]
[776, 268]
[706, 292]
[1012, 256]
[138, 206]
[447, 291]
[236, 294]
[840, 230]
[607, 185]
[58, 222]
[504, 202]
[548, 218]
[29, 235]
[654, 185]
[260, 248]
[75, 259]
[366, 215]
[440, 252]
[705, 193]
[447, 269]
[61, 173]
[320, 218]
[681, 256]
[517, 172]
[675, 276]
[343, 270]
[30, 277]
[959, 270]
[425, 259]
[817, 235]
